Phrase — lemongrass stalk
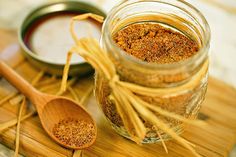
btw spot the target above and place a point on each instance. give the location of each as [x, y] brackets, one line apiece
[17, 143]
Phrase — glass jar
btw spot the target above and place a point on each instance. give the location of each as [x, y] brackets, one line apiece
[179, 16]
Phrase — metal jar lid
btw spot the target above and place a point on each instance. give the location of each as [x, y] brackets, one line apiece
[75, 7]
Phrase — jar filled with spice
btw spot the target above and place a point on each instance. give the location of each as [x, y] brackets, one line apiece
[161, 45]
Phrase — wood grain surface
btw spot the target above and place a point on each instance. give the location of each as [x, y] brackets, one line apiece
[214, 140]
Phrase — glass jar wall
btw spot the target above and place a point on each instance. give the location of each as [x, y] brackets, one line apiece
[178, 16]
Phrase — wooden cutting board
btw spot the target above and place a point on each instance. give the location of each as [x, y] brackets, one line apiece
[215, 140]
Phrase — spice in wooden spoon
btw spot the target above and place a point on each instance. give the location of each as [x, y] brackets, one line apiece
[74, 132]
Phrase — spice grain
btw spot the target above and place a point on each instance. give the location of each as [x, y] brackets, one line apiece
[152, 42]
[73, 132]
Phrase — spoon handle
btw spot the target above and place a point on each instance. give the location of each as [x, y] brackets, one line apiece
[15, 79]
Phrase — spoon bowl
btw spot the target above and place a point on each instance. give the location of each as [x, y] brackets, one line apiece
[52, 109]
[61, 108]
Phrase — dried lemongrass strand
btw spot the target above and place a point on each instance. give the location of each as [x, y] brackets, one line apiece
[168, 114]
[83, 17]
[65, 72]
[8, 97]
[50, 87]
[150, 116]
[37, 78]
[136, 121]
[74, 95]
[86, 95]
[13, 122]
[55, 85]
[73, 49]
[162, 92]
[78, 153]
[17, 143]
[162, 141]
[123, 93]
[124, 117]
[70, 83]
[147, 114]
[190, 143]
[128, 116]
[107, 68]
[16, 99]
[47, 81]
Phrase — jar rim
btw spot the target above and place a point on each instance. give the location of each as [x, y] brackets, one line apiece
[199, 54]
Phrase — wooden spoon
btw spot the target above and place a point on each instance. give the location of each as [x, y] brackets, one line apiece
[51, 109]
